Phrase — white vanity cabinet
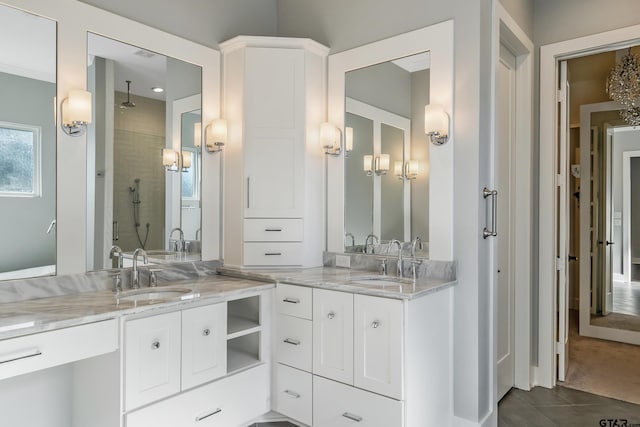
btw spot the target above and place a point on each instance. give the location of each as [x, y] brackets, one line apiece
[274, 103]
[375, 361]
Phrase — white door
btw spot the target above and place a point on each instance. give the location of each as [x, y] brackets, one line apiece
[378, 345]
[607, 288]
[562, 232]
[204, 344]
[505, 140]
[333, 335]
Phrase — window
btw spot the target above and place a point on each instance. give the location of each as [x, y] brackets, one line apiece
[19, 160]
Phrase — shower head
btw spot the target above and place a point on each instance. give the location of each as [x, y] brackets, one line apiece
[128, 103]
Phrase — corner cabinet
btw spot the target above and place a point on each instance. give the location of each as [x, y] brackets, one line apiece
[351, 359]
[274, 102]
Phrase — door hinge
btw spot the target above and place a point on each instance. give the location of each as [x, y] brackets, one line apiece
[560, 264]
[559, 348]
[560, 95]
[559, 180]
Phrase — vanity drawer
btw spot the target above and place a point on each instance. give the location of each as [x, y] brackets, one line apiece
[273, 254]
[294, 393]
[47, 349]
[294, 341]
[273, 230]
[338, 405]
[294, 300]
[229, 402]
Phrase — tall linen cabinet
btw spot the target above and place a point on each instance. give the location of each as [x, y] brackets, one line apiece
[274, 101]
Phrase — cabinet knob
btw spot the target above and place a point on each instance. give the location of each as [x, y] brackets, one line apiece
[155, 345]
[375, 324]
[206, 332]
[331, 315]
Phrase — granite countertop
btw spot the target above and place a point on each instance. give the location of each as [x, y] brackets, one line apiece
[43, 314]
[343, 279]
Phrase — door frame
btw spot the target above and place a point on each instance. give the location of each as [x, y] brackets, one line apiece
[511, 35]
[626, 211]
[550, 55]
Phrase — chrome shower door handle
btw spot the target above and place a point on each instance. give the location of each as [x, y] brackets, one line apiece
[116, 231]
[493, 194]
[51, 226]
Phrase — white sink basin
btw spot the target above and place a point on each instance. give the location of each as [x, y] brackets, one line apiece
[381, 281]
[151, 295]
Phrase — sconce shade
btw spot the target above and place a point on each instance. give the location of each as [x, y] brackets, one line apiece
[197, 134]
[170, 159]
[383, 164]
[186, 159]
[398, 169]
[348, 139]
[78, 107]
[436, 123]
[367, 164]
[412, 169]
[330, 139]
[216, 135]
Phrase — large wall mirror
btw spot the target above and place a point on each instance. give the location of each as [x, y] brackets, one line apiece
[386, 172]
[27, 144]
[144, 156]
[394, 183]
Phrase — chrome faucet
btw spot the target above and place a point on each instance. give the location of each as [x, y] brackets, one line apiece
[353, 239]
[179, 243]
[135, 281]
[400, 260]
[416, 241]
[117, 252]
[374, 240]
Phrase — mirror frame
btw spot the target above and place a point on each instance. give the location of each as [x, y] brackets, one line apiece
[438, 40]
[75, 19]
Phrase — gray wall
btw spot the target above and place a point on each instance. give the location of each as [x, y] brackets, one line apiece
[522, 12]
[207, 22]
[385, 86]
[420, 151]
[25, 219]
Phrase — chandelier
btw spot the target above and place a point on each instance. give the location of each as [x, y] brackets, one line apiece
[623, 85]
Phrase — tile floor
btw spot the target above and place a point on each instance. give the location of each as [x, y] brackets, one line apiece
[564, 407]
[560, 407]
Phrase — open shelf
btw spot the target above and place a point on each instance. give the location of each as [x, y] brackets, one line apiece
[243, 316]
[238, 326]
[243, 352]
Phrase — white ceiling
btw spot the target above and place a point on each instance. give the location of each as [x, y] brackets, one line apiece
[413, 63]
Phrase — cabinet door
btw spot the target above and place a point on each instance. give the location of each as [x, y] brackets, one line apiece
[378, 344]
[333, 335]
[204, 349]
[338, 405]
[274, 133]
[152, 358]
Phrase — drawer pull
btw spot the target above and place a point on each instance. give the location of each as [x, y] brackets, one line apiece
[32, 352]
[292, 394]
[273, 229]
[375, 324]
[292, 341]
[206, 332]
[155, 345]
[352, 417]
[331, 315]
[272, 253]
[217, 411]
[292, 300]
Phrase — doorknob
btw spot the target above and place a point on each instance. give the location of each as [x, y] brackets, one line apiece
[600, 242]
[573, 258]
[609, 243]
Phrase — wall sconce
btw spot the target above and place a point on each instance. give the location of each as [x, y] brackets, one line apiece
[186, 161]
[76, 112]
[368, 165]
[330, 138]
[216, 135]
[170, 160]
[197, 134]
[381, 164]
[436, 124]
[406, 170]
[348, 140]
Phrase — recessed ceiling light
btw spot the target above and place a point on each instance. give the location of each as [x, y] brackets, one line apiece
[157, 89]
